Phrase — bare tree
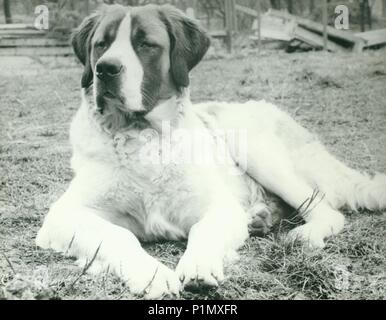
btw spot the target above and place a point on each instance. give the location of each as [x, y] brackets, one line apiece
[312, 6]
[275, 4]
[365, 14]
[290, 6]
[7, 11]
[384, 8]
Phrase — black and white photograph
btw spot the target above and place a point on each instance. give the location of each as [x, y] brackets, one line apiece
[193, 150]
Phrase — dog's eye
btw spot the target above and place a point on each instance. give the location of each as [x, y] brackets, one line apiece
[147, 44]
[100, 44]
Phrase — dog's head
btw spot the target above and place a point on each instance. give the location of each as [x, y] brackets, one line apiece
[137, 56]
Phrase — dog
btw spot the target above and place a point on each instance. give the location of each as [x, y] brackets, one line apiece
[137, 62]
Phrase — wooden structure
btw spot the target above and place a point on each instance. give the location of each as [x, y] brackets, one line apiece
[318, 35]
[25, 40]
[372, 38]
[280, 25]
[19, 39]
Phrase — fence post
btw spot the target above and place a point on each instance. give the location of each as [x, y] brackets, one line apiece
[325, 22]
[230, 22]
[369, 15]
[362, 13]
[258, 7]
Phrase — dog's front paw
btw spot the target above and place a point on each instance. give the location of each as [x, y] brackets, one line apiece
[309, 234]
[197, 269]
[154, 281]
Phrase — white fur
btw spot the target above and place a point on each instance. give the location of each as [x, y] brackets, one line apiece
[111, 202]
[117, 199]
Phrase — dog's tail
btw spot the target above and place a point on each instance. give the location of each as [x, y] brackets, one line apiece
[354, 190]
[367, 192]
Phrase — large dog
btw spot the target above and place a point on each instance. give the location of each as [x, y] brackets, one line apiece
[136, 77]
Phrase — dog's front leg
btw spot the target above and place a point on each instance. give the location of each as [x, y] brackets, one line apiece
[221, 231]
[79, 231]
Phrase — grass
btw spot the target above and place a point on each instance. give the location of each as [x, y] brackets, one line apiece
[341, 97]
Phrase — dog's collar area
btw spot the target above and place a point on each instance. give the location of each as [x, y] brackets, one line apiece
[170, 110]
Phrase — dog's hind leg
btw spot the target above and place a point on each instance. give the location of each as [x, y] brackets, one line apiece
[270, 164]
[341, 185]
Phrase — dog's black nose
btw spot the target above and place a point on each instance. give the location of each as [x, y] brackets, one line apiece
[108, 69]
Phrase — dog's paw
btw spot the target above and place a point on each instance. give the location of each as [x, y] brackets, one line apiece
[154, 281]
[309, 234]
[199, 270]
[261, 222]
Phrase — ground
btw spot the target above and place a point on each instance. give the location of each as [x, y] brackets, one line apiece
[341, 97]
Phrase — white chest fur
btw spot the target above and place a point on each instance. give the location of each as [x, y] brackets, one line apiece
[121, 177]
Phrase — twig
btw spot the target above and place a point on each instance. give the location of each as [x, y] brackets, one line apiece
[314, 196]
[86, 267]
[152, 280]
[70, 244]
[9, 262]
[60, 98]
[20, 102]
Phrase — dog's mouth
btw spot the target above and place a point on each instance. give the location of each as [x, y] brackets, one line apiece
[108, 98]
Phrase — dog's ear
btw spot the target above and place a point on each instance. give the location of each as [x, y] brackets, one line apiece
[81, 43]
[188, 43]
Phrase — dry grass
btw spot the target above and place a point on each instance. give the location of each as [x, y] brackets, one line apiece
[340, 97]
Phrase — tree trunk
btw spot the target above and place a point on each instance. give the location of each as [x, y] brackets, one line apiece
[363, 15]
[72, 5]
[290, 6]
[369, 14]
[275, 4]
[384, 8]
[325, 23]
[7, 11]
[312, 6]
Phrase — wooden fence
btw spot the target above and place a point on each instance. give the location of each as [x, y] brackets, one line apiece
[19, 39]
[25, 40]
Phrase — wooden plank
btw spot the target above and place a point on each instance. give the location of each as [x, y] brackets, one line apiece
[218, 34]
[275, 28]
[33, 42]
[317, 27]
[247, 11]
[36, 51]
[315, 40]
[373, 38]
[16, 26]
[21, 32]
